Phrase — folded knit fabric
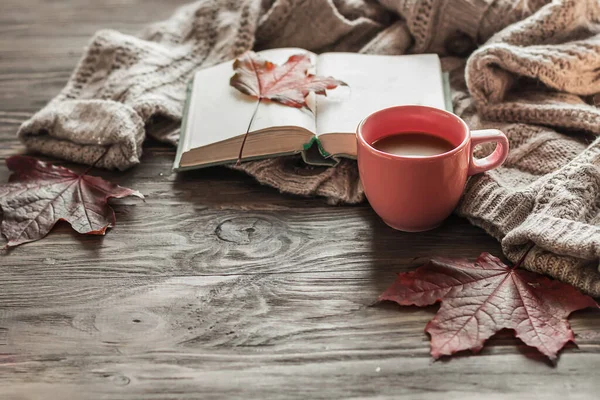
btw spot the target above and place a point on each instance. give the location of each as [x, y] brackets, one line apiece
[534, 76]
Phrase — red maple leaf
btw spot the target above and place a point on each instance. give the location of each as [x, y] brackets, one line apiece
[288, 84]
[40, 194]
[479, 299]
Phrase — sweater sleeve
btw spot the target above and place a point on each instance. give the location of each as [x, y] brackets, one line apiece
[124, 84]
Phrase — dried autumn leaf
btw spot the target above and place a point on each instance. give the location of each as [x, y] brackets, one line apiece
[479, 299]
[40, 194]
[288, 84]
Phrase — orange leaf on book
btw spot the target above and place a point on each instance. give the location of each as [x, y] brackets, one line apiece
[288, 84]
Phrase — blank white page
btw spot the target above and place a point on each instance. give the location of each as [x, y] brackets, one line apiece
[218, 111]
[375, 82]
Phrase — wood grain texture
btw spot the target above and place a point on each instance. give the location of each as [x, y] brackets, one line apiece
[217, 287]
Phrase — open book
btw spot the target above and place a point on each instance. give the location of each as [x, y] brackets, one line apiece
[217, 115]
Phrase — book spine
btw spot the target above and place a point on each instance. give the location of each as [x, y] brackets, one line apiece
[182, 130]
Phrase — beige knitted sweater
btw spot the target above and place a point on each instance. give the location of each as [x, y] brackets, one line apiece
[534, 75]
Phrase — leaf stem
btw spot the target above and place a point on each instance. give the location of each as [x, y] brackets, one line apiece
[522, 259]
[239, 160]
[96, 162]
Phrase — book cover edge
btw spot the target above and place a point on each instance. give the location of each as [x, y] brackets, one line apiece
[182, 131]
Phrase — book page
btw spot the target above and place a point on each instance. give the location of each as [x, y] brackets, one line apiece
[218, 111]
[375, 82]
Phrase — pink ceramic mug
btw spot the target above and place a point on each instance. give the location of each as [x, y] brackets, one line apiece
[417, 193]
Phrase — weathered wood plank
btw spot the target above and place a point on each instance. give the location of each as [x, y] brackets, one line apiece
[324, 375]
[193, 240]
[281, 311]
[267, 332]
[185, 337]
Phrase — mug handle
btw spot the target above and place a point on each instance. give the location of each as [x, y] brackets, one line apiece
[495, 159]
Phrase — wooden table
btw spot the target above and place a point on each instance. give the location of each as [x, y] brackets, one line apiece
[219, 287]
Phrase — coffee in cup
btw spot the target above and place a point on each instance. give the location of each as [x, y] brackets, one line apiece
[414, 162]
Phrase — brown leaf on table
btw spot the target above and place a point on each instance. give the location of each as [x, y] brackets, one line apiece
[288, 84]
[479, 299]
[40, 194]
